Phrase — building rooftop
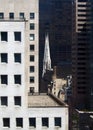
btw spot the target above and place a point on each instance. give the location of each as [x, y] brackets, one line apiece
[44, 100]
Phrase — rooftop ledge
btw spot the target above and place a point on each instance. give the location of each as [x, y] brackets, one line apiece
[45, 100]
[13, 20]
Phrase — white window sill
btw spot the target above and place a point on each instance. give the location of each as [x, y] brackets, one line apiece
[3, 41]
[6, 128]
[3, 63]
[17, 106]
[17, 63]
[18, 85]
[19, 127]
[17, 41]
[3, 106]
[44, 127]
[32, 127]
[57, 126]
[3, 85]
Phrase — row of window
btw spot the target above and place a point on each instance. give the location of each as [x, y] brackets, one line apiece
[17, 57]
[32, 122]
[17, 79]
[21, 15]
[4, 100]
[17, 35]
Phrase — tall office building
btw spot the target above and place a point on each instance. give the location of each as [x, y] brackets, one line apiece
[21, 107]
[56, 19]
[82, 69]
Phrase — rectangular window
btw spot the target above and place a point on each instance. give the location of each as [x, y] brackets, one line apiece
[4, 101]
[4, 58]
[11, 15]
[32, 26]
[31, 57]
[32, 122]
[45, 122]
[57, 121]
[17, 36]
[4, 36]
[32, 89]
[32, 68]
[32, 37]
[17, 79]
[17, 57]
[21, 15]
[19, 122]
[32, 79]
[32, 47]
[6, 122]
[4, 79]
[1, 15]
[32, 15]
[17, 100]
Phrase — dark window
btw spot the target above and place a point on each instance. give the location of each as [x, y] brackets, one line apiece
[32, 58]
[57, 121]
[32, 90]
[21, 15]
[11, 15]
[4, 101]
[1, 15]
[17, 57]
[45, 122]
[32, 15]
[19, 122]
[32, 122]
[17, 79]
[32, 68]
[4, 79]
[32, 79]
[4, 36]
[32, 47]
[4, 57]
[32, 26]
[17, 100]
[17, 36]
[6, 122]
[32, 37]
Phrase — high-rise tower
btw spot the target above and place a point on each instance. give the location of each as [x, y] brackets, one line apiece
[82, 35]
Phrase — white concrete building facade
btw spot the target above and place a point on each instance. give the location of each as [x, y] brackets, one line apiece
[19, 54]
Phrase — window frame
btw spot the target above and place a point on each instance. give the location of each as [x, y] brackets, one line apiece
[17, 57]
[33, 122]
[17, 79]
[17, 36]
[4, 36]
[21, 15]
[4, 79]
[17, 100]
[57, 122]
[32, 79]
[11, 15]
[4, 57]
[4, 100]
[6, 122]
[45, 122]
[1, 15]
[18, 121]
[32, 37]
[32, 26]
[32, 58]
[32, 15]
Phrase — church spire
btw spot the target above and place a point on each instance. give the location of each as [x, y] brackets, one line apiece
[47, 59]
